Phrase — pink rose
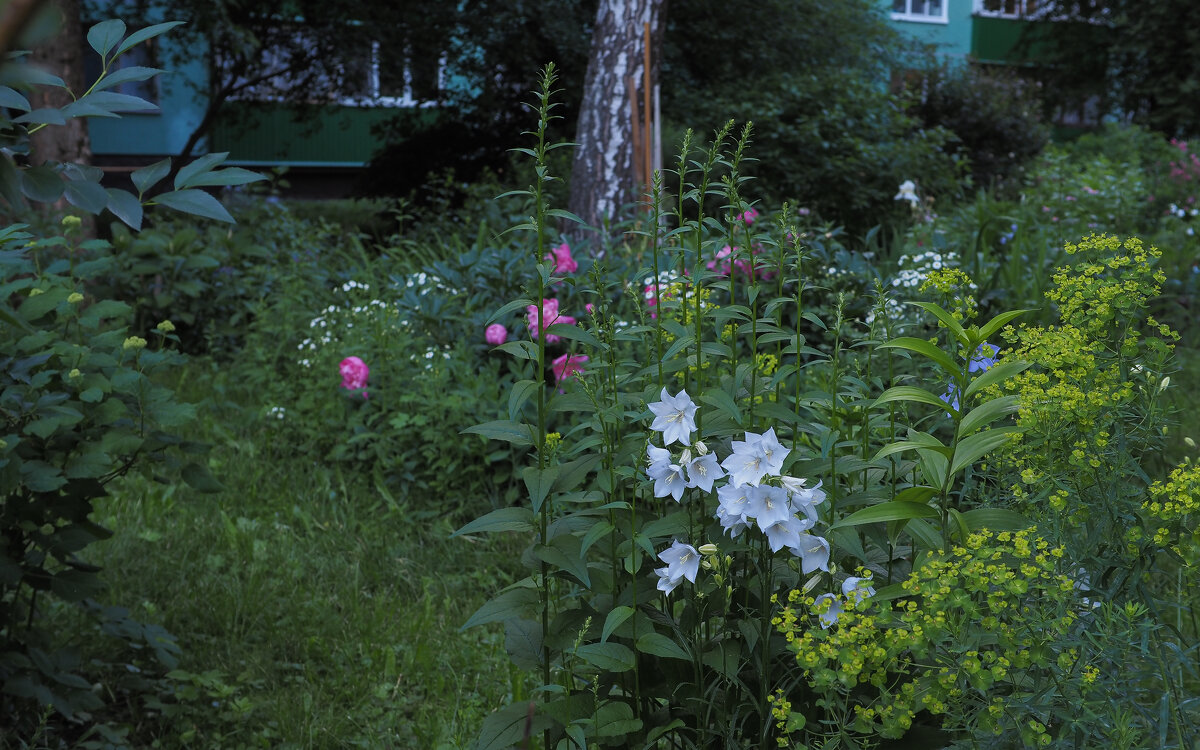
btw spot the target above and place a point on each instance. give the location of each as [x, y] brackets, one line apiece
[563, 262]
[354, 374]
[495, 334]
[550, 316]
[568, 365]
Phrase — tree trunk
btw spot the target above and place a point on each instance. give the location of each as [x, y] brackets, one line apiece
[602, 176]
[62, 55]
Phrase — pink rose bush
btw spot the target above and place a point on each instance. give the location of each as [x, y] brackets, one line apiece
[495, 334]
[568, 365]
[563, 262]
[354, 374]
[550, 316]
[723, 266]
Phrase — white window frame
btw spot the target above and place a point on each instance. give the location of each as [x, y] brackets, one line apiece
[374, 98]
[908, 15]
[1021, 12]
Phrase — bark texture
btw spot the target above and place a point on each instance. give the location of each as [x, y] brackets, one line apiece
[602, 175]
[62, 55]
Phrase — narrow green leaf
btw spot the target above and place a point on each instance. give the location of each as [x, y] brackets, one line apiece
[998, 322]
[575, 333]
[614, 619]
[112, 101]
[13, 99]
[909, 393]
[598, 531]
[225, 178]
[996, 519]
[517, 433]
[195, 202]
[43, 116]
[517, 602]
[723, 401]
[925, 349]
[126, 75]
[518, 395]
[658, 644]
[506, 727]
[125, 207]
[106, 35]
[142, 35]
[995, 374]
[986, 413]
[889, 511]
[200, 166]
[607, 657]
[947, 319]
[971, 449]
[502, 519]
[538, 482]
[918, 494]
[922, 532]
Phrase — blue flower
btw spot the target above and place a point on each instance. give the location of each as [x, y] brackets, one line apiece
[683, 561]
[985, 358]
[674, 417]
[951, 398]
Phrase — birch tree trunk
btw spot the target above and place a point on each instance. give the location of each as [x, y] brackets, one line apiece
[62, 55]
[602, 175]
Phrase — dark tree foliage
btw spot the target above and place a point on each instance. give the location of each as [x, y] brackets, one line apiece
[812, 75]
[496, 52]
[1141, 59]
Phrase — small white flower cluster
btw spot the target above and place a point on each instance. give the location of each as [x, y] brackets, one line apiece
[914, 269]
[782, 507]
[278, 412]
[425, 283]
[892, 310]
[335, 318]
[430, 354]
[352, 284]
[1183, 212]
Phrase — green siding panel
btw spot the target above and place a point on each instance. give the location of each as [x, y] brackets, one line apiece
[1001, 40]
[267, 132]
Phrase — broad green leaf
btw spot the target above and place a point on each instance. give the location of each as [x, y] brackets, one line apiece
[996, 519]
[998, 322]
[520, 349]
[41, 184]
[538, 482]
[200, 478]
[142, 35]
[909, 393]
[501, 519]
[200, 166]
[10, 183]
[614, 619]
[598, 531]
[106, 35]
[563, 552]
[517, 304]
[935, 466]
[575, 333]
[658, 644]
[986, 413]
[971, 449]
[517, 433]
[149, 176]
[995, 374]
[521, 392]
[13, 99]
[517, 602]
[523, 642]
[113, 101]
[195, 202]
[125, 207]
[922, 532]
[607, 657]
[44, 116]
[896, 510]
[506, 727]
[926, 349]
[947, 319]
[919, 494]
[86, 195]
[723, 401]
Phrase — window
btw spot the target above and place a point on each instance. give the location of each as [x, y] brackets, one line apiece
[925, 11]
[143, 55]
[1007, 8]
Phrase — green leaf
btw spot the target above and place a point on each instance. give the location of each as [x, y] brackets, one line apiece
[501, 519]
[142, 35]
[926, 349]
[575, 333]
[195, 202]
[517, 433]
[125, 207]
[126, 75]
[201, 479]
[10, 183]
[595, 534]
[507, 727]
[986, 413]
[12, 99]
[723, 401]
[538, 482]
[563, 552]
[89, 464]
[922, 532]
[43, 116]
[86, 195]
[971, 449]
[998, 322]
[909, 393]
[520, 349]
[895, 510]
[518, 395]
[614, 619]
[523, 642]
[658, 644]
[226, 177]
[199, 166]
[607, 657]
[149, 176]
[918, 494]
[517, 304]
[106, 35]
[995, 374]
[514, 603]
[947, 319]
[996, 519]
[41, 184]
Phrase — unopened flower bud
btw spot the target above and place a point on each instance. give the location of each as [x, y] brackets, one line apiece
[134, 342]
[165, 327]
[708, 549]
[701, 448]
[75, 373]
[1163, 385]
[685, 457]
[72, 222]
[35, 292]
[75, 297]
[1189, 442]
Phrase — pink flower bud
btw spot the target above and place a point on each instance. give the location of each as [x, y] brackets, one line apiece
[354, 374]
[495, 334]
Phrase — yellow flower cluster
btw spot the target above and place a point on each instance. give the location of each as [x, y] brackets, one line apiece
[967, 623]
[955, 287]
[1173, 508]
